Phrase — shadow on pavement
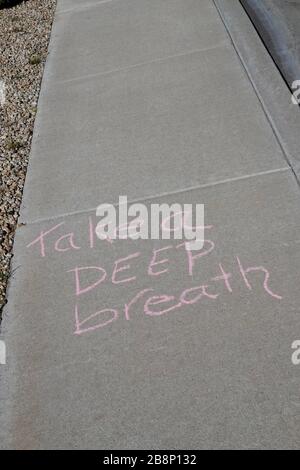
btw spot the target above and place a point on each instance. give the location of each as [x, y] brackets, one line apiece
[277, 23]
[10, 3]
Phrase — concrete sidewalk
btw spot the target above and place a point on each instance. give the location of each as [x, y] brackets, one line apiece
[149, 99]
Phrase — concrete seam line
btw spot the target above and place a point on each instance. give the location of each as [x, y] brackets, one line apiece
[85, 7]
[140, 64]
[170, 193]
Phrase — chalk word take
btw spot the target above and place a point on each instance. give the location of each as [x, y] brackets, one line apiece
[177, 222]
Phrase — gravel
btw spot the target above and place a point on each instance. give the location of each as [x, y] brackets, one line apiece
[24, 37]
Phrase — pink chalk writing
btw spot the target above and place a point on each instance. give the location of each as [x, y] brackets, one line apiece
[266, 278]
[153, 262]
[79, 330]
[133, 301]
[118, 269]
[148, 301]
[41, 239]
[157, 300]
[69, 237]
[79, 290]
[193, 256]
[203, 293]
[224, 277]
[154, 304]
